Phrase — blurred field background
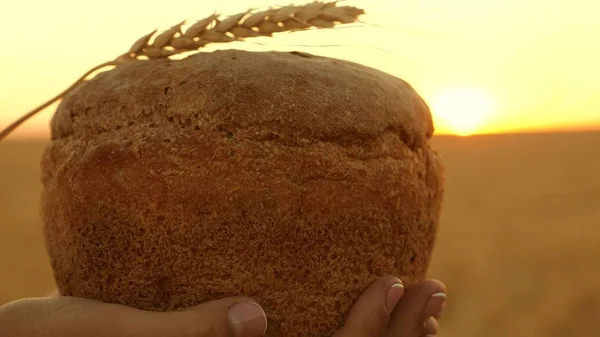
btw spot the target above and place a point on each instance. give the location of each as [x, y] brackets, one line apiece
[518, 244]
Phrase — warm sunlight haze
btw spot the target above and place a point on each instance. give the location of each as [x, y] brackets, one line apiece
[174, 183]
[483, 66]
[461, 111]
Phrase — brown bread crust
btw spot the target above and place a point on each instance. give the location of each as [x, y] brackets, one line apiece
[293, 179]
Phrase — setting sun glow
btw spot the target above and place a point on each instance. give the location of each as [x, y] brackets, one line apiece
[461, 111]
[477, 73]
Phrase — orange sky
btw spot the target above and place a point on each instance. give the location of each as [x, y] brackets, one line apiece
[484, 66]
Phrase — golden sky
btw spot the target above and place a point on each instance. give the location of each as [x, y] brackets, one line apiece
[483, 66]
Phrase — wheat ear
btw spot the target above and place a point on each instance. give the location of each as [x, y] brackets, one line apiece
[215, 29]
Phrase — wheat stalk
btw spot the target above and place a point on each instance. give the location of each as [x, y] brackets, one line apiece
[215, 29]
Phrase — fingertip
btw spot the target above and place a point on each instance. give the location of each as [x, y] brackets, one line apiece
[371, 313]
[431, 327]
[247, 319]
[393, 296]
[421, 303]
[435, 305]
[234, 316]
[433, 286]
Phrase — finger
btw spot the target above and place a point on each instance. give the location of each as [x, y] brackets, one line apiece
[431, 327]
[74, 317]
[244, 318]
[420, 302]
[372, 311]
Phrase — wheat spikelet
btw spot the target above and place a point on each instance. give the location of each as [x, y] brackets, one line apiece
[214, 29]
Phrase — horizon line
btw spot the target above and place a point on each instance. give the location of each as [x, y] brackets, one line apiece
[28, 136]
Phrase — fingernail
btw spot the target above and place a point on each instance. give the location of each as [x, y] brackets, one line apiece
[435, 305]
[247, 319]
[394, 294]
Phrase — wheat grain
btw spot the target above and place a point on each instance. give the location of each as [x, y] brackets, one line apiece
[240, 26]
[213, 29]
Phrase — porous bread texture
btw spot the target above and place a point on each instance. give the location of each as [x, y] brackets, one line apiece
[294, 179]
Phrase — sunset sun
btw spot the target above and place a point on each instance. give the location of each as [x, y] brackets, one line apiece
[461, 111]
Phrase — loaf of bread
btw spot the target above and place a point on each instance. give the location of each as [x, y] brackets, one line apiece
[291, 178]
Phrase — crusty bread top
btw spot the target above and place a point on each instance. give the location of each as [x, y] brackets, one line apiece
[293, 97]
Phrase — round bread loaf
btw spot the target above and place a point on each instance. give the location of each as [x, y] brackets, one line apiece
[294, 179]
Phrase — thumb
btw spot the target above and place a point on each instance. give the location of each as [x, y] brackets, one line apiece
[371, 313]
[75, 317]
[230, 317]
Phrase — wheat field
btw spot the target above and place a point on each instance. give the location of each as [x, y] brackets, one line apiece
[517, 246]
